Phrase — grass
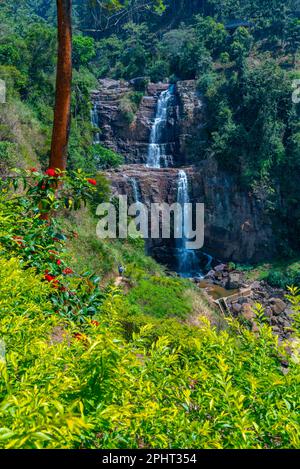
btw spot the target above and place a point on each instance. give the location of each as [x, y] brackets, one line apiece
[150, 293]
[89, 253]
[18, 125]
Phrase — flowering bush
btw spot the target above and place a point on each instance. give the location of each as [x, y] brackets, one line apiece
[30, 231]
[53, 190]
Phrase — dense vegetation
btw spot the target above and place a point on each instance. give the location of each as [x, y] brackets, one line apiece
[88, 364]
[245, 75]
[83, 367]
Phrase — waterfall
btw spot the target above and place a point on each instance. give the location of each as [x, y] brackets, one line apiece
[157, 151]
[187, 261]
[95, 123]
[135, 190]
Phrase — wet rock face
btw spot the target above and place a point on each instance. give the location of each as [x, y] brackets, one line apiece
[186, 118]
[153, 186]
[131, 139]
[191, 117]
[236, 227]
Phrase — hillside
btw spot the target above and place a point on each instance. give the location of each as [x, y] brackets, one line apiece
[180, 102]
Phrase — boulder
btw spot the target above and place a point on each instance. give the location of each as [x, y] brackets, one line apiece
[255, 285]
[243, 300]
[210, 274]
[247, 312]
[268, 312]
[278, 306]
[197, 280]
[234, 281]
[218, 275]
[236, 308]
[220, 268]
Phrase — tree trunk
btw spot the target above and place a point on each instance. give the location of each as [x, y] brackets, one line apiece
[62, 111]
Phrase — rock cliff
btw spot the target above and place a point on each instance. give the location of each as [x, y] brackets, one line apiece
[237, 227]
[129, 137]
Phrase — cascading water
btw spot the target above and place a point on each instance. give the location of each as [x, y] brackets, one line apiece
[158, 149]
[187, 261]
[135, 190]
[95, 123]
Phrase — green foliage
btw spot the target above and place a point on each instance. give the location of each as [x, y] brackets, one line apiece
[294, 298]
[8, 155]
[40, 40]
[105, 158]
[11, 51]
[83, 50]
[63, 387]
[16, 81]
[161, 297]
[159, 70]
[179, 49]
[241, 46]
[212, 34]
[28, 232]
[284, 277]
[138, 375]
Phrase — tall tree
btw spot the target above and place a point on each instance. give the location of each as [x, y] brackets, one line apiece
[62, 111]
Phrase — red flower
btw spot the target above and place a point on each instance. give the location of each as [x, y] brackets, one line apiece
[33, 170]
[43, 187]
[58, 262]
[68, 271]
[50, 278]
[19, 240]
[51, 173]
[95, 323]
[79, 336]
[92, 181]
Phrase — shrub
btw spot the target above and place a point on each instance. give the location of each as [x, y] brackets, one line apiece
[169, 386]
[16, 81]
[161, 297]
[83, 50]
[159, 71]
[277, 278]
[29, 231]
[105, 158]
[129, 105]
[8, 155]
[284, 277]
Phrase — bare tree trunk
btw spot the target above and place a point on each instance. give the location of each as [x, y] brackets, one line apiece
[62, 111]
